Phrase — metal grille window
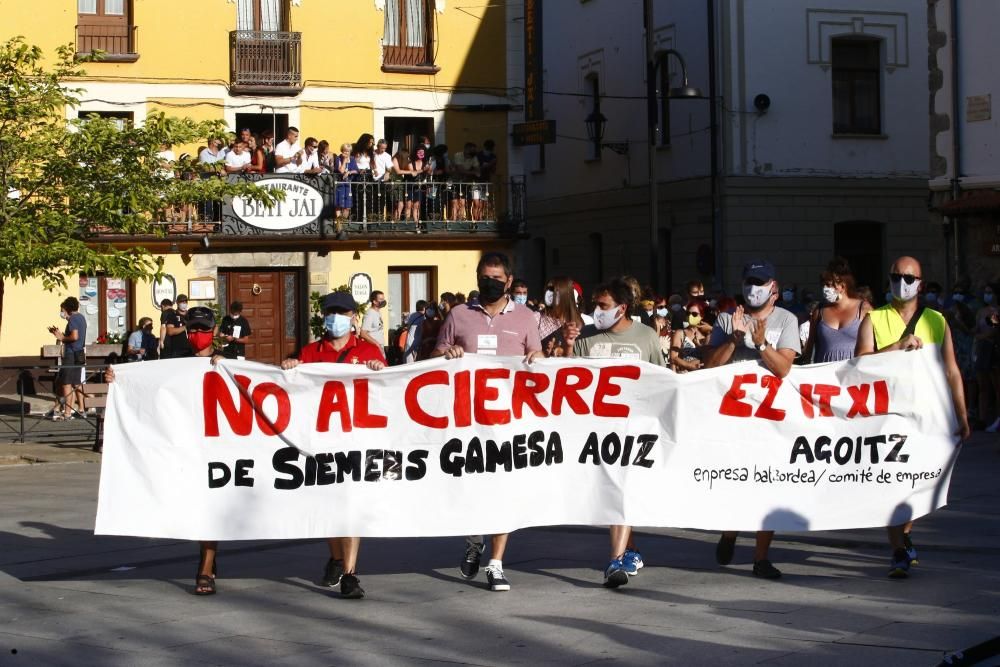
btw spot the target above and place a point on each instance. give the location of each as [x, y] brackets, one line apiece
[407, 39]
[857, 86]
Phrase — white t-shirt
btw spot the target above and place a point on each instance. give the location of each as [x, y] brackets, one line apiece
[381, 164]
[286, 150]
[169, 157]
[363, 161]
[309, 161]
[234, 160]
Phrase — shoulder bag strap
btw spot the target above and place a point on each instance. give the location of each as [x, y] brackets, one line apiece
[912, 326]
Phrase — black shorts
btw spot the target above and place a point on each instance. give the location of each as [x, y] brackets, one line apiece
[72, 376]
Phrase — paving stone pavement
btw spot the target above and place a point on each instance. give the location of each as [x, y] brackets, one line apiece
[70, 598]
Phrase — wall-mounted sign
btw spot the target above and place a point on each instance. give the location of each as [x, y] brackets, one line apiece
[303, 204]
[978, 108]
[534, 132]
[164, 288]
[534, 105]
[361, 287]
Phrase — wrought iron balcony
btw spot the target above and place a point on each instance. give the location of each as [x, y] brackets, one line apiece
[318, 207]
[117, 42]
[262, 62]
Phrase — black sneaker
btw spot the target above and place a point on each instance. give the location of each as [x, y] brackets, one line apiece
[350, 587]
[333, 573]
[724, 550]
[473, 553]
[764, 570]
[496, 580]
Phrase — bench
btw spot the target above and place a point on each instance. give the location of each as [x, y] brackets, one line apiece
[95, 396]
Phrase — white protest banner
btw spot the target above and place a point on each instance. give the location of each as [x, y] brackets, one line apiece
[488, 444]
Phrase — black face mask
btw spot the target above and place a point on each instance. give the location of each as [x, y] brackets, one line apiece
[491, 290]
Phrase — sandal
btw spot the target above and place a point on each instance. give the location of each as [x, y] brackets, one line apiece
[204, 584]
[58, 417]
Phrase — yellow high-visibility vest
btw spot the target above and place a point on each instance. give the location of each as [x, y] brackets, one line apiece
[889, 326]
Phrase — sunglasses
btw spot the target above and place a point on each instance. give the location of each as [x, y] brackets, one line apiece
[908, 278]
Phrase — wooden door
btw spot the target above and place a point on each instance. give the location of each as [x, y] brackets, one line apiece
[271, 305]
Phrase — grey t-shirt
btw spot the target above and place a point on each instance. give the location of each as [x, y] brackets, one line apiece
[372, 323]
[638, 342]
[782, 333]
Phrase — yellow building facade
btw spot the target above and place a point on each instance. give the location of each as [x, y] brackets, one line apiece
[335, 69]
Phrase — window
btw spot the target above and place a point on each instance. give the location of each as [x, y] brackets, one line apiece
[857, 83]
[106, 25]
[408, 37]
[107, 305]
[406, 287]
[262, 15]
[120, 118]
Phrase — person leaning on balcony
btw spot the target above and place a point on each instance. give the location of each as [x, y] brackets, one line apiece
[465, 168]
[343, 167]
[288, 155]
[402, 170]
[238, 160]
[324, 156]
[213, 153]
[263, 156]
[310, 160]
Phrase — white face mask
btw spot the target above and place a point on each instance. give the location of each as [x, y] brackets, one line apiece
[605, 319]
[831, 295]
[521, 299]
[903, 292]
[550, 298]
[63, 315]
[756, 296]
[182, 306]
[662, 312]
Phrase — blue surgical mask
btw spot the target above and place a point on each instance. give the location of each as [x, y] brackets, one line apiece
[662, 312]
[521, 299]
[988, 297]
[337, 325]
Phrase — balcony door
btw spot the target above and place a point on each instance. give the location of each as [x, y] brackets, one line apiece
[104, 25]
[262, 15]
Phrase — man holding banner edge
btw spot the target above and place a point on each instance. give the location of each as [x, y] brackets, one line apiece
[905, 325]
[762, 332]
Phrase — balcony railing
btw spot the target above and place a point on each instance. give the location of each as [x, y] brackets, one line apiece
[265, 61]
[117, 42]
[357, 209]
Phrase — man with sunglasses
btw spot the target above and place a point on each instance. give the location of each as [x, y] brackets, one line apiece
[903, 324]
[758, 331]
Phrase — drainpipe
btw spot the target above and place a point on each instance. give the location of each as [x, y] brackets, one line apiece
[717, 237]
[956, 131]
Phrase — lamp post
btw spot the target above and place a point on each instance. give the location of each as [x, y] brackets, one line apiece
[654, 61]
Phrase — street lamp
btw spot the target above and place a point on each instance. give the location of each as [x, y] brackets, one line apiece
[596, 122]
[654, 61]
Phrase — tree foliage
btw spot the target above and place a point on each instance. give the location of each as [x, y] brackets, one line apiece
[64, 180]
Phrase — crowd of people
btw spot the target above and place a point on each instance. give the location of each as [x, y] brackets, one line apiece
[686, 332]
[373, 183]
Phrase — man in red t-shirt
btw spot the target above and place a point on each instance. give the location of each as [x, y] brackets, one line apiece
[339, 345]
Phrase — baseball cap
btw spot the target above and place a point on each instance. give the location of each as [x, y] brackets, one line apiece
[339, 300]
[200, 318]
[759, 269]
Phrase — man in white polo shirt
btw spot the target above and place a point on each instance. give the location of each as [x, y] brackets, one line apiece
[288, 155]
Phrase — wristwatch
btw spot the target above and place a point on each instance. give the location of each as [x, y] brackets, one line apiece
[762, 347]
